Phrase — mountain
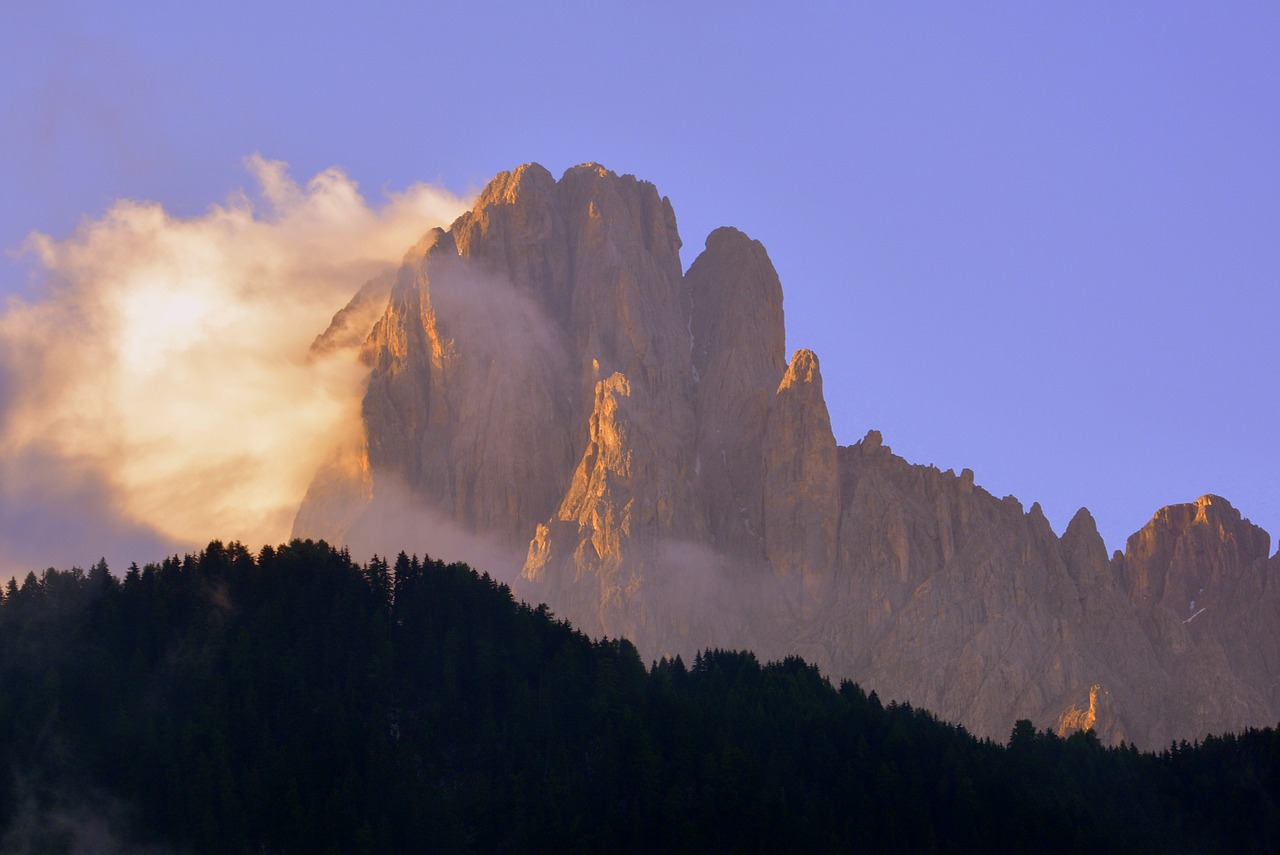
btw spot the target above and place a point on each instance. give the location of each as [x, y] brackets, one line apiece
[550, 392]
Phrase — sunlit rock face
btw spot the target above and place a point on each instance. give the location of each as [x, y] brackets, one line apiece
[1199, 576]
[801, 487]
[1185, 557]
[551, 394]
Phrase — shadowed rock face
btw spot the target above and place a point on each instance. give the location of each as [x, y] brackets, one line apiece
[975, 609]
[739, 357]
[633, 443]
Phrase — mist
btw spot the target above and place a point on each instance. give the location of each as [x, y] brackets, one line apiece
[398, 520]
[55, 813]
[156, 389]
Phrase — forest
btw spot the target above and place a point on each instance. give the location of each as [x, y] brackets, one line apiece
[296, 701]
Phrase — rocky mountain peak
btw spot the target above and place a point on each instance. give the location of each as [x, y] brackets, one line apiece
[629, 444]
[803, 370]
[527, 181]
[1185, 548]
[1084, 551]
[738, 339]
[1198, 573]
[801, 482]
[738, 329]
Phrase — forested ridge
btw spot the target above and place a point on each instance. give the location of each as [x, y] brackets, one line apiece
[294, 701]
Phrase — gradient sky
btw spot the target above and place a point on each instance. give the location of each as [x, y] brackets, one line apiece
[1038, 240]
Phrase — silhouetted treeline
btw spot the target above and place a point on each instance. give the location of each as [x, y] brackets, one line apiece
[296, 702]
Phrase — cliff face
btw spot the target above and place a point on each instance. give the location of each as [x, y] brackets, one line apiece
[1199, 577]
[974, 607]
[801, 487]
[739, 357]
[545, 381]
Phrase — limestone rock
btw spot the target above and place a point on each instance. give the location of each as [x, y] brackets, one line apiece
[967, 606]
[627, 443]
[1084, 551]
[738, 340]
[1181, 558]
[610, 557]
[1074, 719]
[1199, 577]
[464, 400]
[801, 484]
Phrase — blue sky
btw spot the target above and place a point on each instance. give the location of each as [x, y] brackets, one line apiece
[1041, 241]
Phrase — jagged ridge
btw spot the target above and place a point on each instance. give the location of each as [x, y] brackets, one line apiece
[544, 377]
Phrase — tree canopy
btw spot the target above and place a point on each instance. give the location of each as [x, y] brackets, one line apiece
[294, 701]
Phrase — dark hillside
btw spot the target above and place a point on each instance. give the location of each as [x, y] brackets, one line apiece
[296, 702]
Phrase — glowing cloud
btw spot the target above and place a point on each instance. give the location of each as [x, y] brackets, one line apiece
[166, 359]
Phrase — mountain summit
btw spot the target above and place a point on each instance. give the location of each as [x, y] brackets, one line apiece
[549, 390]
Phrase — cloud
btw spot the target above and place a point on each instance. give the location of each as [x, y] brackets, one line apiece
[160, 376]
